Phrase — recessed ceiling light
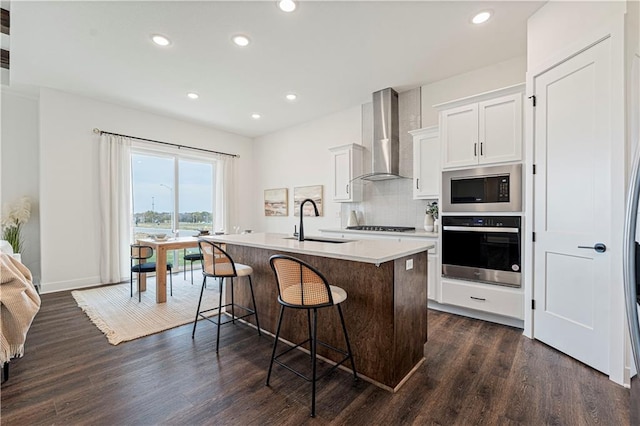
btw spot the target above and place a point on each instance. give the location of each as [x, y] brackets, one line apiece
[255, 116]
[193, 95]
[481, 17]
[291, 96]
[160, 40]
[287, 5]
[241, 40]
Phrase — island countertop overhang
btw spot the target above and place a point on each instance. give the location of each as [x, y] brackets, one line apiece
[366, 251]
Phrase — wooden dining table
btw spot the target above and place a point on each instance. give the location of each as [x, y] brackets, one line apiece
[161, 247]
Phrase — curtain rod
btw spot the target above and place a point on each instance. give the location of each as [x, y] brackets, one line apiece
[102, 132]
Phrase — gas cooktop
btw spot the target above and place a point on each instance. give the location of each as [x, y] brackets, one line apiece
[382, 228]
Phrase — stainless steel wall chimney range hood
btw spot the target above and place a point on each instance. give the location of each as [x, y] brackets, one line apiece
[385, 149]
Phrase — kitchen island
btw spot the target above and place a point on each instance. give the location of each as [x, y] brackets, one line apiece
[386, 308]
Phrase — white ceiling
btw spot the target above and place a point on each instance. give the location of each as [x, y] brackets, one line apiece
[332, 54]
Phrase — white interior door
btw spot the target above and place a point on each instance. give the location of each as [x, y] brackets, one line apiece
[573, 145]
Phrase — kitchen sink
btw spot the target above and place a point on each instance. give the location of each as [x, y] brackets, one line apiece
[322, 240]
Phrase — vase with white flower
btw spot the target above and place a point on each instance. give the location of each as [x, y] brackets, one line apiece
[14, 217]
[431, 217]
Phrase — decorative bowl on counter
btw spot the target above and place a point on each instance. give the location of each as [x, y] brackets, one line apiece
[159, 237]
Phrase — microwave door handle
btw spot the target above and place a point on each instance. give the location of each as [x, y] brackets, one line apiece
[481, 229]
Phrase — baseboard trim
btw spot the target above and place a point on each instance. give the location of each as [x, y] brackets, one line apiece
[56, 286]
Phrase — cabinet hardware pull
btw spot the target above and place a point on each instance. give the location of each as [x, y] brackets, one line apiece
[478, 298]
[347, 188]
[481, 148]
[417, 180]
[475, 149]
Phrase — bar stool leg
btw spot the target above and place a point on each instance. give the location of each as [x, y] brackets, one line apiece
[346, 338]
[139, 296]
[220, 312]
[255, 309]
[313, 359]
[233, 305]
[195, 322]
[275, 344]
[309, 326]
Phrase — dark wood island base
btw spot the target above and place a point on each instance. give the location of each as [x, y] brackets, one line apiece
[385, 312]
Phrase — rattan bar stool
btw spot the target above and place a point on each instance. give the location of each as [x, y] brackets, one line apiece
[217, 263]
[301, 286]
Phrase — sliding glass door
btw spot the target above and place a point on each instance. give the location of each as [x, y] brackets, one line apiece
[172, 194]
[153, 195]
[196, 183]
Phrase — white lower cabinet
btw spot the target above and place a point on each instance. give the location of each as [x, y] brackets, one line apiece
[432, 276]
[484, 297]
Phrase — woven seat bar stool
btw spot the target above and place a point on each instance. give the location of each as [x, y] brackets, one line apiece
[139, 255]
[190, 257]
[301, 286]
[217, 263]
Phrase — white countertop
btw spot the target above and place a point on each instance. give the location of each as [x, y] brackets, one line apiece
[366, 251]
[418, 233]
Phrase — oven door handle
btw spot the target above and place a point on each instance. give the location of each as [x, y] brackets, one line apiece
[481, 229]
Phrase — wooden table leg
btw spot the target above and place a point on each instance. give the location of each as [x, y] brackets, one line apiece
[161, 275]
[143, 282]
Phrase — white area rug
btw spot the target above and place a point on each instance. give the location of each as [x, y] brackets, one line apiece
[122, 318]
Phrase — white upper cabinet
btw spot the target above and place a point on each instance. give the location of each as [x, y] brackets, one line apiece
[482, 129]
[347, 164]
[426, 163]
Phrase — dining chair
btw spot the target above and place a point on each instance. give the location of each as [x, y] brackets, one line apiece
[190, 257]
[139, 256]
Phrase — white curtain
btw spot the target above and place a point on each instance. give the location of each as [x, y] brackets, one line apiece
[225, 195]
[115, 207]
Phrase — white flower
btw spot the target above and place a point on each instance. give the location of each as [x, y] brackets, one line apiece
[17, 213]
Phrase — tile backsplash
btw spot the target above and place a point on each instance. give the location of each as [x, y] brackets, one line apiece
[388, 202]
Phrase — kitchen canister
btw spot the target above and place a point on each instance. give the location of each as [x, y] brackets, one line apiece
[353, 219]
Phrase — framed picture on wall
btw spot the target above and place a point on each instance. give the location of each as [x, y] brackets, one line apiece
[276, 202]
[301, 193]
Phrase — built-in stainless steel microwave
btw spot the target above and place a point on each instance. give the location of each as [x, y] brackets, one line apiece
[483, 189]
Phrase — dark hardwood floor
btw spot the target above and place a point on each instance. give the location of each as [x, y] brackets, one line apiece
[475, 373]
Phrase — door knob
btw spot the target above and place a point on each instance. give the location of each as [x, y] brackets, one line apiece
[598, 247]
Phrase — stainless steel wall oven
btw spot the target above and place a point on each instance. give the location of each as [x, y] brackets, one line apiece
[482, 248]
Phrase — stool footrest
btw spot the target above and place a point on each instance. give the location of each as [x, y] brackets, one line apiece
[297, 373]
[212, 320]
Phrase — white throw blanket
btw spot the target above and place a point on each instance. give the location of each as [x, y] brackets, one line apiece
[19, 304]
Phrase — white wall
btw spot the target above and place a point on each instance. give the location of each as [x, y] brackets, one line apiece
[19, 169]
[558, 26]
[474, 82]
[70, 220]
[299, 156]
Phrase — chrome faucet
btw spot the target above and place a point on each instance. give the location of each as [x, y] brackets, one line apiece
[315, 208]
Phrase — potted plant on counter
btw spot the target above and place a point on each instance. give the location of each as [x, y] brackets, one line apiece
[431, 217]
